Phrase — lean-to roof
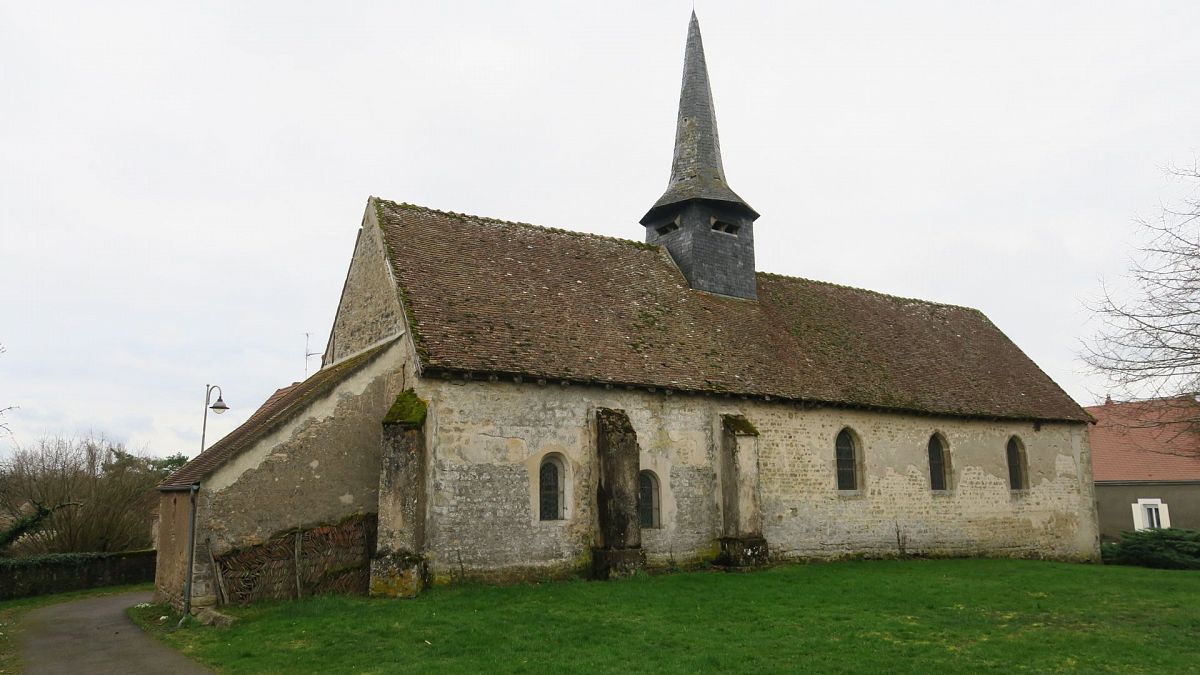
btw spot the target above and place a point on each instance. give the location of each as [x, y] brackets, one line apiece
[282, 406]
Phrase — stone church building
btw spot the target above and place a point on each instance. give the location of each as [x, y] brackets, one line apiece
[502, 401]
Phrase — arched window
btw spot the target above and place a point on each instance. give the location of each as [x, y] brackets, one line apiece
[847, 461]
[939, 466]
[551, 477]
[1018, 475]
[648, 499]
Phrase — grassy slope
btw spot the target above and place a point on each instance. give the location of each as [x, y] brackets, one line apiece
[12, 610]
[914, 616]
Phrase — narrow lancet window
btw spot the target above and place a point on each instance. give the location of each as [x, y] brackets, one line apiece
[937, 464]
[847, 461]
[550, 490]
[1017, 473]
[648, 499]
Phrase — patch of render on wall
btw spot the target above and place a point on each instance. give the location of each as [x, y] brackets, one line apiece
[276, 485]
[392, 360]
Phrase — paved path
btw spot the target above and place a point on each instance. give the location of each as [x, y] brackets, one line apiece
[95, 636]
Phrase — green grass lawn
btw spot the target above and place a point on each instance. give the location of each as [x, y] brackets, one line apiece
[882, 616]
[11, 612]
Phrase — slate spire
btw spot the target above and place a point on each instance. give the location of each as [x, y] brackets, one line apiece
[704, 225]
[697, 171]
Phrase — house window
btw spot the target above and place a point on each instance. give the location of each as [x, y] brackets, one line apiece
[938, 464]
[648, 499]
[667, 229]
[1150, 514]
[1018, 474]
[551, 500]
[847, 461]
[1153, 517]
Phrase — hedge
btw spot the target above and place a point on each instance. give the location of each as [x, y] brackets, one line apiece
[58, 572]
[1170, 548]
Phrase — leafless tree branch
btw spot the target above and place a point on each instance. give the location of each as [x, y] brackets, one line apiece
[1148, 345]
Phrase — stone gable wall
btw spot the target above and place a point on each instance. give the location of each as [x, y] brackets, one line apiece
[487, 440]
[369, 310]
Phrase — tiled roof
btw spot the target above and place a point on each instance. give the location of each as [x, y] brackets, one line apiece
[490, 296]
[282, 406]
[1153, 440]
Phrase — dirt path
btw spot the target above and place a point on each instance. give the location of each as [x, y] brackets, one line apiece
[95, 636]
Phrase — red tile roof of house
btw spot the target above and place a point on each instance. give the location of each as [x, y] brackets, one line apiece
[489, 296]
[1155, 440]
[280, 407]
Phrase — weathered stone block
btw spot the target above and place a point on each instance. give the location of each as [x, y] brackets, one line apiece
[609, 563]
[398, 574]
[617, 492]
[211, 617]
[743, 552]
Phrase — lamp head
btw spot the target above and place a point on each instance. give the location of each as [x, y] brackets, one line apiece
[219, 407]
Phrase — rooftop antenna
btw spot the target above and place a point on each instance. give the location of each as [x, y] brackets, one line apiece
[307, 355]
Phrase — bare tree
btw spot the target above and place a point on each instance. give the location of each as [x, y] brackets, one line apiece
[109, 490]
[1148, 345]
[4, 425]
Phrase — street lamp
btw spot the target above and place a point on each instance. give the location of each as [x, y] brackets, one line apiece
[218, 408]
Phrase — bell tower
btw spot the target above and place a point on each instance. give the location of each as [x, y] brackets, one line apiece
[706, 227]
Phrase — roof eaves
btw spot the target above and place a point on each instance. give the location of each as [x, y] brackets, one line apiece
[449, 372]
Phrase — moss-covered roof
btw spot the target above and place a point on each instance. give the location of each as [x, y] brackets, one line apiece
[282, 406]
[489, 296]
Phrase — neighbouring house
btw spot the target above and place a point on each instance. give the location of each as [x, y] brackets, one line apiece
[500, 401]
[1146, 456]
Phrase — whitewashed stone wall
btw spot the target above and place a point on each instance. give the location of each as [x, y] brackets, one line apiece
[486, 441]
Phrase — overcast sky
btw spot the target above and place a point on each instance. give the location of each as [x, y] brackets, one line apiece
[180, 184]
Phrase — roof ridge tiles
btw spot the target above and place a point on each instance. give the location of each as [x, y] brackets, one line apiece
[642, 245]
[486, 220]
[890, 296]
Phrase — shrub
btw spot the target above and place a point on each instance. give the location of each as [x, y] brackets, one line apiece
[1170, 548]
[63, 495]
[57, 572]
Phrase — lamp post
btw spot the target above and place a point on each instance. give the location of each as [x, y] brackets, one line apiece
[218, 408]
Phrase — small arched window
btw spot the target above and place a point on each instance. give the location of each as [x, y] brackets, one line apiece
[551, 478]
[1018, 474]
[939, 467]
[648, 499]
[847, 461]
